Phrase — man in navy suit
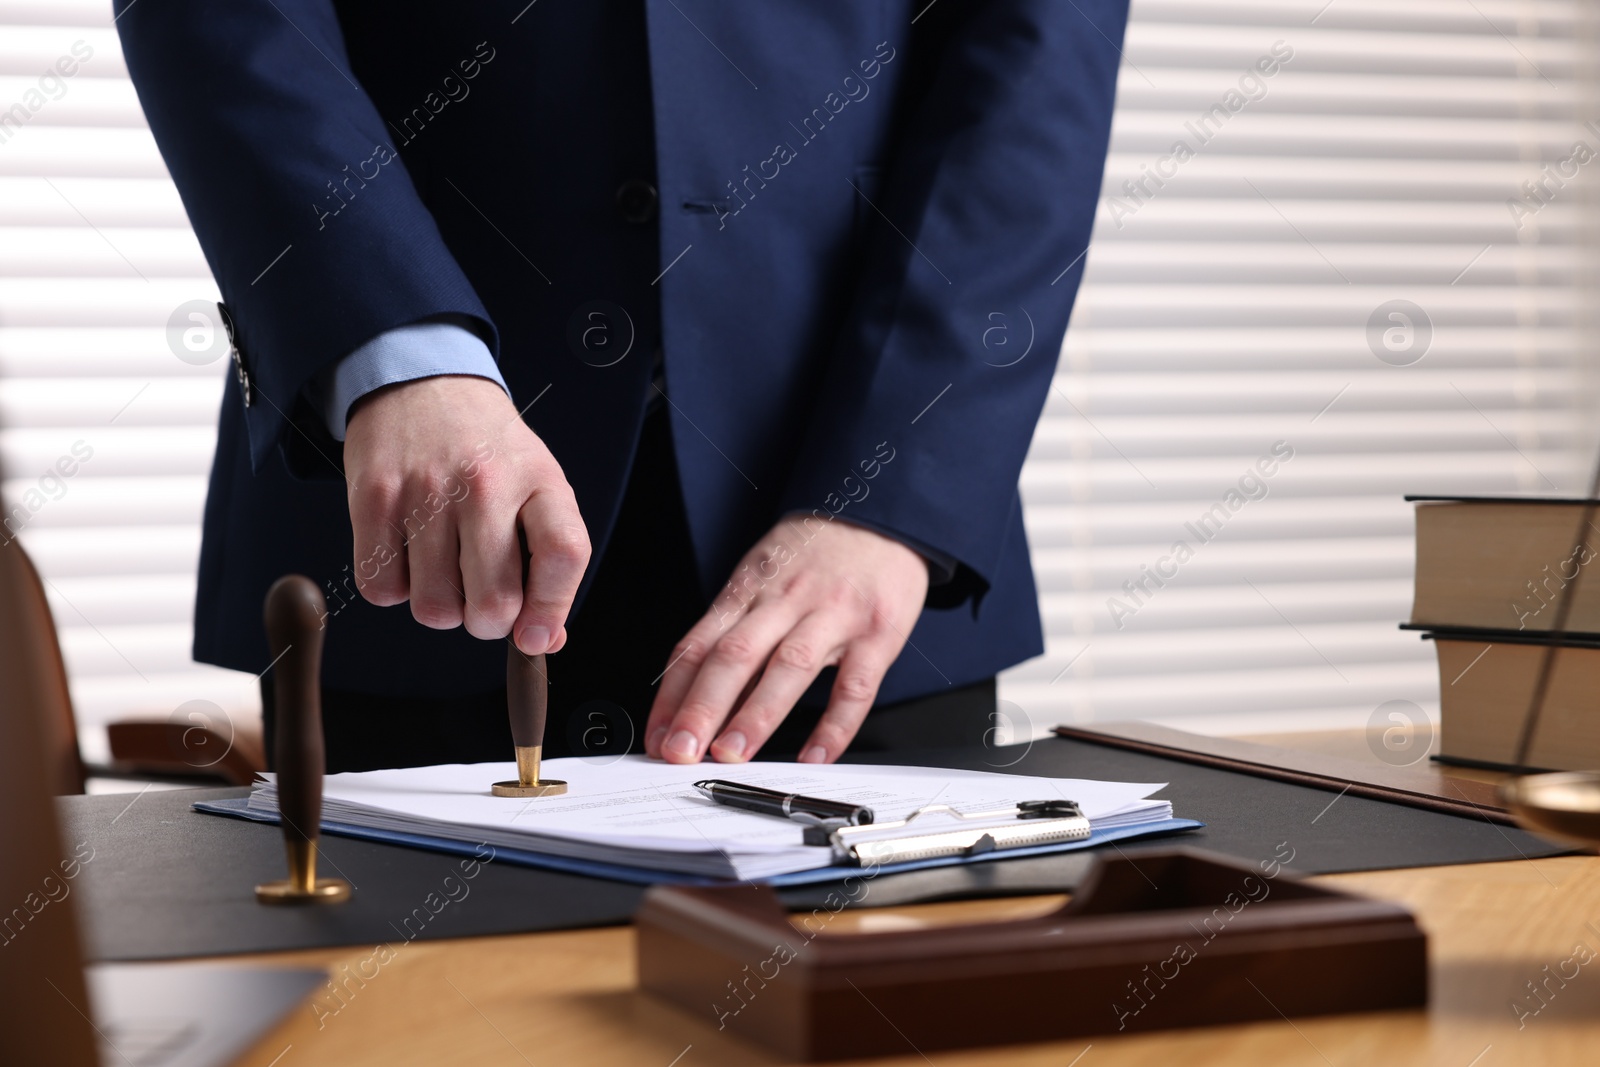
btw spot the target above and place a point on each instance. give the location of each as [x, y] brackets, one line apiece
[753, 307]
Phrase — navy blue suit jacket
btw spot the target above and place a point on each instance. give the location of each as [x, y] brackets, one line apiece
[866, 217]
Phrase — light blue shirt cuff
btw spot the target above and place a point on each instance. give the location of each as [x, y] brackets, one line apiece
[406, 353]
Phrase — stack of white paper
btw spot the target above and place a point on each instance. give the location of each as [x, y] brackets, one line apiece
[642, 813]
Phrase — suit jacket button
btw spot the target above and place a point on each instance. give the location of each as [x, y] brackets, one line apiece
[636, 201]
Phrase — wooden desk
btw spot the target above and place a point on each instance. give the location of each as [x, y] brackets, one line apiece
[569, 998]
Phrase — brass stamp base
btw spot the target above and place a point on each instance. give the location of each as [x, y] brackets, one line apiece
[303, 886]
[528, 783]
[324, 891]
[550, 787]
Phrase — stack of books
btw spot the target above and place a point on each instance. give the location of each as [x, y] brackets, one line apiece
[1490, 575]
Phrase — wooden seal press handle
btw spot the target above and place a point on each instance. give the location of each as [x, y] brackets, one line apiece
[293, 614]
[527, 704]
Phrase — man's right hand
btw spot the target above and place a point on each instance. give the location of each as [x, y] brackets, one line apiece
[444, 475]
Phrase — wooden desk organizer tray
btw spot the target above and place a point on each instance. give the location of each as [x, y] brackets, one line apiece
[1162, 939]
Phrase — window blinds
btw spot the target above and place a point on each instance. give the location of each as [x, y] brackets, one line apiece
[105, 434]
[1317, 251]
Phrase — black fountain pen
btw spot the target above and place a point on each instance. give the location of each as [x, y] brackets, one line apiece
[784, 805]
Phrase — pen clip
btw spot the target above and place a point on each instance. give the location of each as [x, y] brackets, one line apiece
[818, 831]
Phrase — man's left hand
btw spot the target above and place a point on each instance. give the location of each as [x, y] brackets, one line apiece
[804, 598]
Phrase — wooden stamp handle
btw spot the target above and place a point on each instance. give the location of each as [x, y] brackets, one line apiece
[527, 697]
[527, 702]
[294, 613]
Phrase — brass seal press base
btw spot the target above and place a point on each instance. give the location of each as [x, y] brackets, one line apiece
[527, 783]
[303, 886]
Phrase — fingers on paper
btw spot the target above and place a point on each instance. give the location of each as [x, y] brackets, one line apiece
[698, 701]
[817, 642]
[861, 671]
[678, 675]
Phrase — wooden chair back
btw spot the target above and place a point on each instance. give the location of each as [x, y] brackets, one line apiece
[41, 959]
[35, 678]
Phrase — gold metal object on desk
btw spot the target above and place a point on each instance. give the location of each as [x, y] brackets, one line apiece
[527, 702]
[294, 616]
[303, 886]
[1564, 805]
[528, 783]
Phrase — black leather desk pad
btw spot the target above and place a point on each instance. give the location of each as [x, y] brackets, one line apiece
[166, 881]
